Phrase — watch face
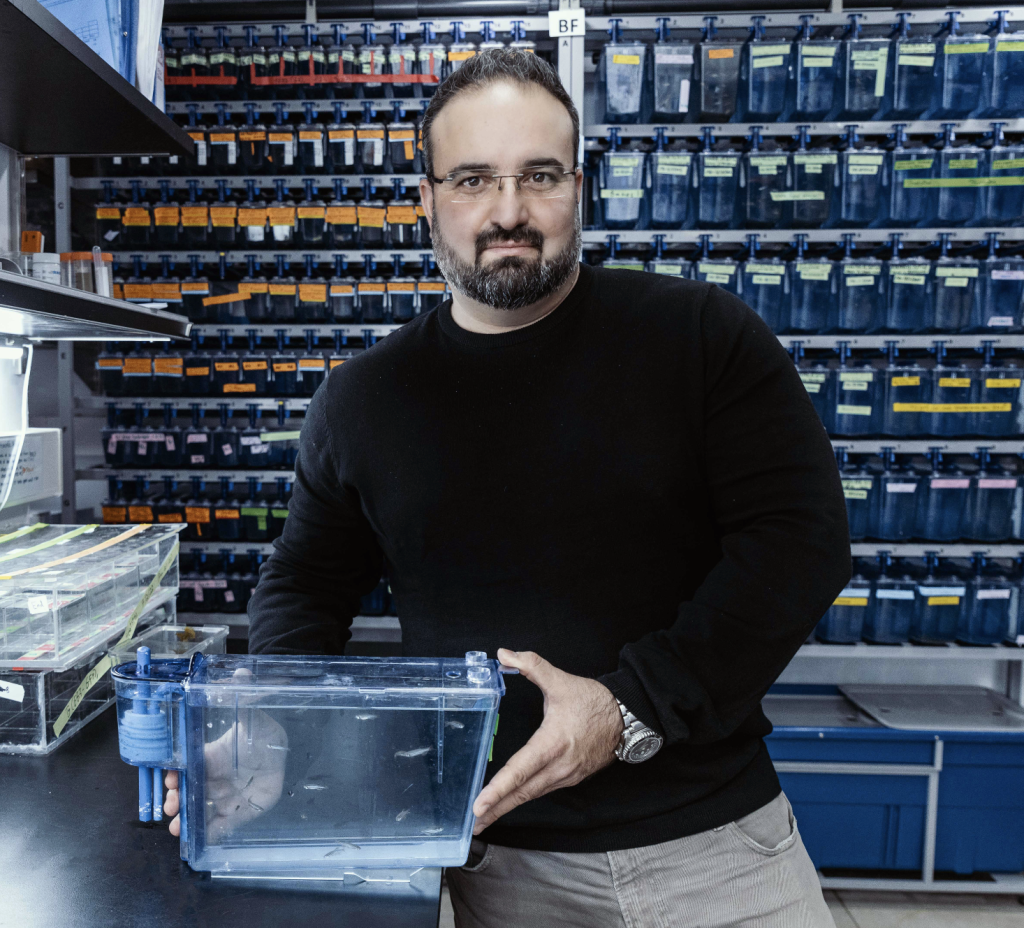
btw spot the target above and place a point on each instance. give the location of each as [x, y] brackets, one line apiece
[646, 746]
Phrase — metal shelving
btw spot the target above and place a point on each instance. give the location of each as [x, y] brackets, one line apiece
[292, 330]
[353, 181]
[788, 236]
[442, 25]
[881, 342]
[924, 445]
[267, 256]
[786, 129]
[920, 549]
[208, 107]
[238, 476]
[596, 25]
[945, 652]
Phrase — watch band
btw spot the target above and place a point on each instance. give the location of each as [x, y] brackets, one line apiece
[637, 742]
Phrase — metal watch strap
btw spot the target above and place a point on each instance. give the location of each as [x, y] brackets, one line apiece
[633, 731]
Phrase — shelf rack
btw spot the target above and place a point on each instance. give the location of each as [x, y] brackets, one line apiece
[785, 129]
[787, 236]
[921, 548]
[262, 180]
[238, 476]
[320, 256]
[598, 25]
[442, 25]
[924, 445]
[412, 105]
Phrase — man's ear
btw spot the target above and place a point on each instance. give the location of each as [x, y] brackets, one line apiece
[427, 201]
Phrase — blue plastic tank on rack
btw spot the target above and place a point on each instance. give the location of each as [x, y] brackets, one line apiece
[985, 617]
[844, 621]
[721, 271]
[717, 182]
[939, 602]
[863, 66]
[954, 392]
[765, 177]
[858, 397]
[717, 76]
[1005, 71]
[813, 185]
[813, 79]
[765, 67]
[892, 606]
[913, 63]
[999, 296]
[908, 291]
[764, 285]
[958, 170]
[671, 189]
[863, 183]
[941, 502]
[623, 180]
[959, 71]
[621, 77]
[817, 380]
[989, 512]
[672, 76]
[892, 518]
[661, 264]
[1001, 199]
[814, 286]
[956, 279]
[861, 303]
[998, 396]
[615, 261]
[908, 203]
[906, 386]
[860, 490]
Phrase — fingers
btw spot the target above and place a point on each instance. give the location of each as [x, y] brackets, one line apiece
[171, 802]
[522, 766]
[530, 665]
[175, 827]
[548, 780]
[171, 779]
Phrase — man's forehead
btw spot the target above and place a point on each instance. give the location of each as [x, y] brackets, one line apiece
[502, 124]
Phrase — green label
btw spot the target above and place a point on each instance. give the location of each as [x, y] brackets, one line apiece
[956, 272]
[719, 162]
[622, 194]
[757, 49]
[865, 159]
[718, 172]
[1005, 164]
[918, 48]
[680, 170]
[916, 61]
[966, 48]
[624, 161]
[279, 513]
[1010, 46]
[623, 172]
[768, 160]
[915, 280]
[815, 158]
[795, 196]
[774, 62]
[625, 266]
[921, 164]
[862, 268]
[919, 182]
[668, 269]
[814, 272]
[674, 159]
[706, 268]
[963, 164]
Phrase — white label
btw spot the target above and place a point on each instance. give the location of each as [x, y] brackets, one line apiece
[37, 605]
[852, 591]
[671, 58]
[110, 236]
[684, 93]
[201, 153]
[1000, 320]
[195, 438]
[247, 440]
[229, 597]
[225, 449]
[941, 590]
[993, 594]
[13, 691]
[318, 153]
[141, 448]
[169, 442]
[564, 23]
[1007, 275]
[901, 488]
[198, 458]
[894, 594]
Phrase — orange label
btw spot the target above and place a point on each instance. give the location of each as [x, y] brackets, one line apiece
[407, 149]
[252, 136]
[338, 135]
[460, 56]
[311, 135]
[284, 367]
[197, 514]
[140, 513]
[401, 135]
[400, 287]
[225, 366]
[113, 514]
[169, 517]
[197, 372]
[342, 289]
[108, 212]
[282, 289]
[280, 136]
[166, 215]
[405, 215]
[227, 514]
[166, 292]
[254, 365]
[168, 365]
[196, 287]
[222, 136]
[336, 362]
[252, 217]
[371, 288]
[222, 216]
[311, 212]
[311, 364]
[239, 388]
[372, 216]
[313, 293]
[135, 216]
[31, 242]
[138, 292]
[224, 298]
[118, 292]
[420, 211]
[253, 287]
[715, 53]
[431, 286]
[341, 215]
[197, 136]
[282, 215]
[138, 366]
[195, 215]
[362, 134]
[109, 362]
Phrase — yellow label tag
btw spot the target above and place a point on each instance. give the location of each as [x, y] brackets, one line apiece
[371, 216]
[943, 600]
[998, 383]
[906, 381]
[341, 215]
[313, 293]
[625, 59]
[954, 381]
[850, 601]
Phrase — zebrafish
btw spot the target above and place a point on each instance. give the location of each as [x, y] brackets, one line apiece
[401, 815]
[454, 724]
[415, 752]
[313, 786]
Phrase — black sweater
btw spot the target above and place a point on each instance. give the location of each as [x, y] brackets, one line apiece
[636, 487]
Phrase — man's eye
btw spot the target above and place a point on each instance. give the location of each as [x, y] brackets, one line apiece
[470, 181]
[542, 177]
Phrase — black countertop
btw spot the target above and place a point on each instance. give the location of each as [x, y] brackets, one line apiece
[73, 856]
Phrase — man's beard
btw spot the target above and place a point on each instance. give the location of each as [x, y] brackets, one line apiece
[511, 282]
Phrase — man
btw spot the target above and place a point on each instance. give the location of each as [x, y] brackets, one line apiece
[616, 476]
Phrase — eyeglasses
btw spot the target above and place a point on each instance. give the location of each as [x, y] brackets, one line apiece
[535, 184]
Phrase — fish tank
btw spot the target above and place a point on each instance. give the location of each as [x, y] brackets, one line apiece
[316, 768]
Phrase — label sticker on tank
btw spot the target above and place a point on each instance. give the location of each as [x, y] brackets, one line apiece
[906, 381]
[856, 375]
[13, 691]
[845, 410]
[956, 272]
[715, 54]
[672, 58]
[1006, 275]
[715, 268]
[915, 61]
[997, 483]
[966, 48]
[949, 483]
[851, 600]
[37, 605]
[913, 280]
[992, 594]
[625, 59]
[913, 164]
[797, 196]
[814, 271]
[996, 383]
[776, 61]
[894, 594]
[901, 488]
[684, 94]
[1005, 164]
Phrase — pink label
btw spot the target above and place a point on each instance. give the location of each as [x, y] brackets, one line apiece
[988, 483]
[944, 483]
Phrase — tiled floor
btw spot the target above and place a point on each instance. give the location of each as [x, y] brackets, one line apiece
[896, 910]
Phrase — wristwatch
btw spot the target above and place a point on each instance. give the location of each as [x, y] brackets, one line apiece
[638, 742]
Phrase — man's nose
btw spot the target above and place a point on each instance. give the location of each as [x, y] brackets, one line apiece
[508, 209]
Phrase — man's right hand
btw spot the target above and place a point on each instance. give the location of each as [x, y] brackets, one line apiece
[237, 793]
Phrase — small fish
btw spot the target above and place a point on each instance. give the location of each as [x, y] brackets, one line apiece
[313, 786]
[366, 716]
[248, 782]
[345, 845]
[291, 794]
[433, 831]
[401, 815]
[278, 747]
[415, 752]
[454, 724]
[252, 805]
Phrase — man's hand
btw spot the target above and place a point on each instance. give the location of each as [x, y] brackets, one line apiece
[244, 776]
[581, 729]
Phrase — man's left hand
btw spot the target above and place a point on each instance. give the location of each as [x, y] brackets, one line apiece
[581, 729]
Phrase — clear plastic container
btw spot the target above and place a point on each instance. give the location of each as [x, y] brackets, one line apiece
[765, 289]
[623, 179]
[621, 76]
[174, 641]
[764, 74]
[892, 518]
[78, 270]
[717, 76]
[844, 621]
[65, 596]
[336, 763]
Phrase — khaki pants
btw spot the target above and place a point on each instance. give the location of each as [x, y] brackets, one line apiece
[753, 873]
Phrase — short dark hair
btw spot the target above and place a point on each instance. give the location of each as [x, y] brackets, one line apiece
[497, 64]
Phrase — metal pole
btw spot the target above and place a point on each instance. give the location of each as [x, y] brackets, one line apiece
[61, 205]
[932, 817]
[66, 415]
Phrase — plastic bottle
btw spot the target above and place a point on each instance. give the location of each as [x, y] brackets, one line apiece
[1005, 71]
[401, 60]
[913, 63]
[340, 144]
[909, 283]
[985, 617]
[998, 396]
[623, 177]
[907, 387]
[312, 366]
[431, 59]
[226, 374]
[372, 293]
[194, 62]
[198, 163]
[891, 611]
[310, 224]
[401, 292]
[400, 219]
[166, 218]
[108, 217]
[310, 143]
[341, 60]
[717, 75]
[858, 397]
[958, 170]
[814, 183]
[195, 219]
[371, 59]
[168, 371]
[817, 380]
[252, 143]
[252, 63]
[893, 515]
[764, 285]
[137, 372]
[285, 369]
[815, 73]
[763, 177]
[765, 66]
[989, 512]
[999, 295]
[223, 61]
[114, 508]
[281, 58]
[938, 604]
[430, 292]
[861, 303]
[281, 144]
[110, 363]
[223, 220]
[959, 72]
[236, 593]
[844, 621]
[255, 373]
[311, 57]
[255, 513]
[341, 294]
[863, 66]
[136, 219]
[371, 213]
[660, 264]
[281, 217]
[252, 219]
[954, 391]
[671, 76]
[256, 291]
[621, 77]
[717, 183]
[401, 142]
[942, 502]
[1001, 199]
[169, 510]
[720, 271]
[312, 296]
[198, 513]
[227, 514]
[223, 143]
[197, 369]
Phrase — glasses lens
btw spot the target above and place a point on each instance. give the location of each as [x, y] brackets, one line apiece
[544, 184]
[538, 184]
[468, 186]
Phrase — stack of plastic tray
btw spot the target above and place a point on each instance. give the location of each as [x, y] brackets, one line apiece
[66, 595]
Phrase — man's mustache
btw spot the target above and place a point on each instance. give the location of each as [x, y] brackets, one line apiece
[521, 235]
